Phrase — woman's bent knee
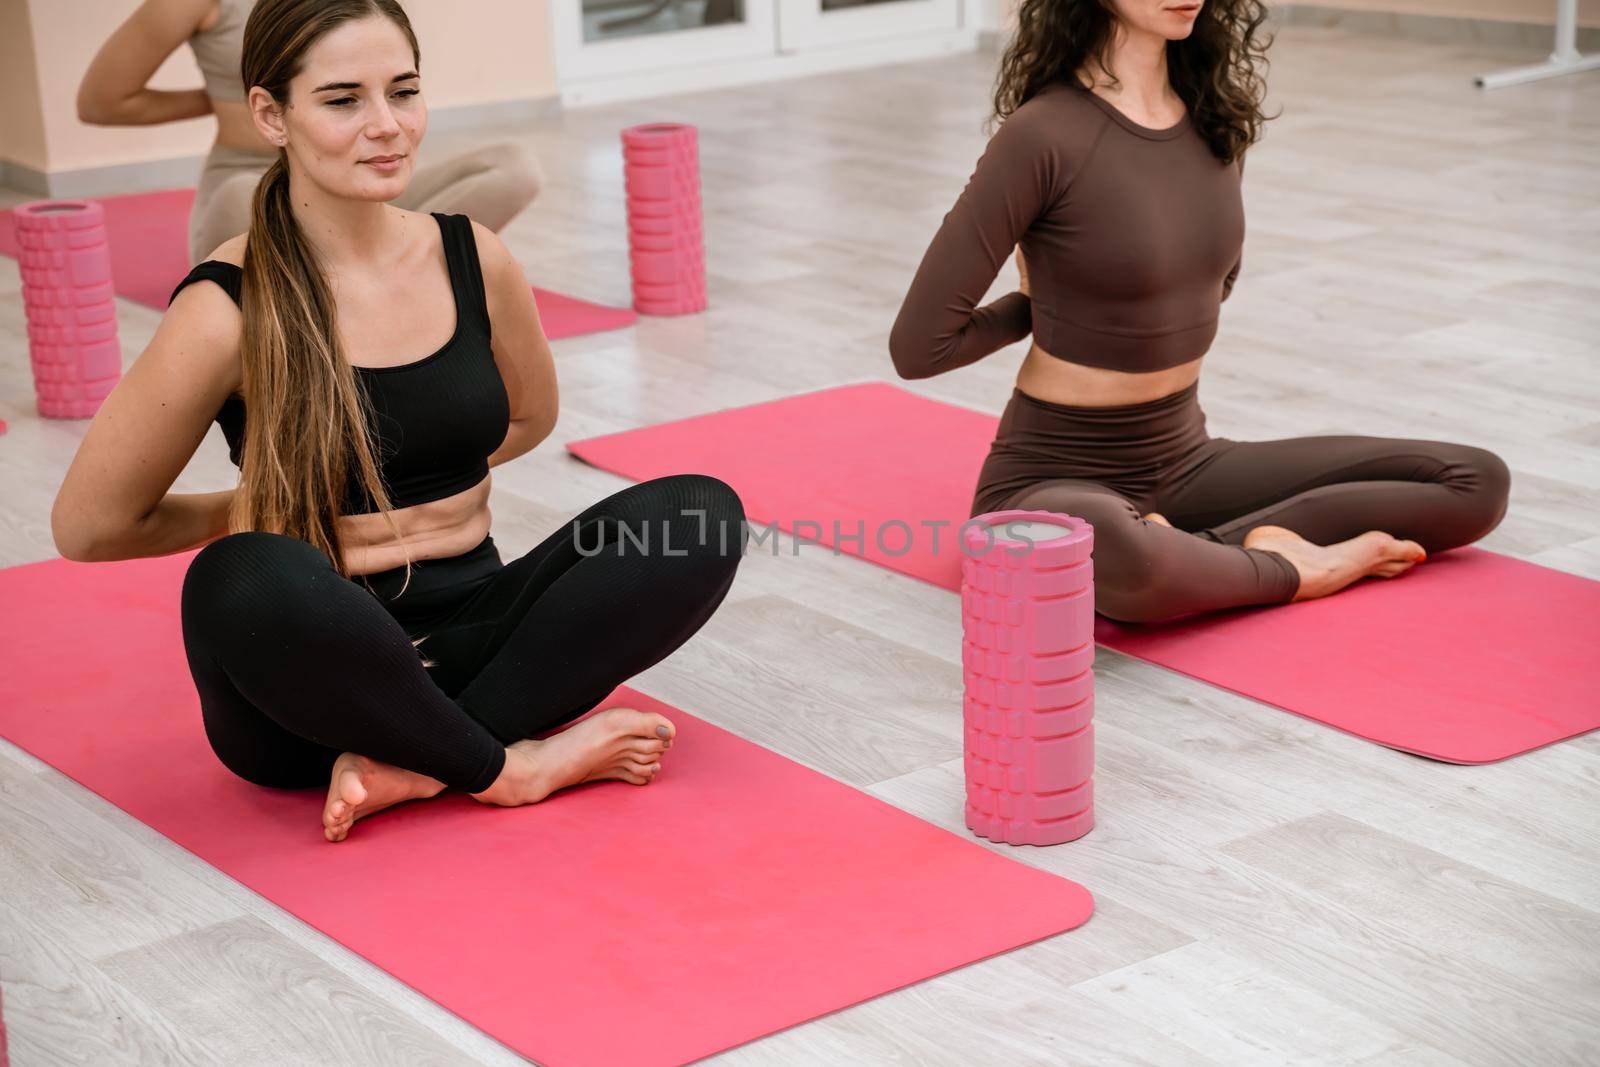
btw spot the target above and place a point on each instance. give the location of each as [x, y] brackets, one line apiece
[247, 555]
[1132, 575]
[726, 532]
[1493, 491]
[1140, 602]
[521, 169]
[247, 576]
[702, 511]
[516, 180]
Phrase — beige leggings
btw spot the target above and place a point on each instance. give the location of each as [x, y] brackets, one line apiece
[490, 185]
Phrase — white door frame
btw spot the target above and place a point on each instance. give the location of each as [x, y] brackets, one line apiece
[648, 65]
[577, 59]
[803, 25]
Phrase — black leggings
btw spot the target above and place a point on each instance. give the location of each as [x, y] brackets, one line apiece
[295, 664]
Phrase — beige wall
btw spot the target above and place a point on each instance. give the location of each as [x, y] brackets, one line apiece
[501, 52]
[21, 124]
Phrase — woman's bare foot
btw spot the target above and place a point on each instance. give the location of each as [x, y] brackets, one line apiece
[1156, 516]
[1327, 569]
[360, 786]
[618, 743]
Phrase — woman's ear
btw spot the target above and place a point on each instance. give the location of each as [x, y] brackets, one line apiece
[268, 116]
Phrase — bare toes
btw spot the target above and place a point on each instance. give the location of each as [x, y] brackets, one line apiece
[642, 724]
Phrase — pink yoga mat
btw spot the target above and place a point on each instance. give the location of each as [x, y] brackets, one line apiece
[1469, 658]
[738, 894]
[150, 255]
[567, 316]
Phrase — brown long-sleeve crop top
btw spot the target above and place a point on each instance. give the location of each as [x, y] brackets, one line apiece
[1131, 236]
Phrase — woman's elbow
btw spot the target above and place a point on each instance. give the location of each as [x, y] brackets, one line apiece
[75, 538]
[545, 427]
[70, 541]
[92, 110]
[910, 355]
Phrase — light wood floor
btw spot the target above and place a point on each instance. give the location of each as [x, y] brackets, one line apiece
[1421, 262]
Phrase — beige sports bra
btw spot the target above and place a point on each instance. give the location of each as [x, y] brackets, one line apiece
[218, 49]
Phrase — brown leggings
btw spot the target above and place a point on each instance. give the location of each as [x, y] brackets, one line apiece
[1111, 465]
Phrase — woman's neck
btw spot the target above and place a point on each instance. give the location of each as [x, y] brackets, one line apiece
[1139, 61]
[343, 231]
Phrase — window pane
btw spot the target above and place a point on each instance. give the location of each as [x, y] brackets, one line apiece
[606, 20]
[840, 5]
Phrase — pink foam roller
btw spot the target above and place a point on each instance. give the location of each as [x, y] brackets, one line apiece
[661, 174]
[65, 265]
[1027, 611]
[654, 242]
[662, 217]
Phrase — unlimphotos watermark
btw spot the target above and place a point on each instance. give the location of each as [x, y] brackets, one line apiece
[891, 537]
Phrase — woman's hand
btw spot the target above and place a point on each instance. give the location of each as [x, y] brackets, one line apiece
[1022, 267]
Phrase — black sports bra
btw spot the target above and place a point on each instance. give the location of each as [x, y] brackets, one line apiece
[438, 419]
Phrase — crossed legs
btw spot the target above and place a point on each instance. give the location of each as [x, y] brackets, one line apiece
[297, 667]
[1266, 522]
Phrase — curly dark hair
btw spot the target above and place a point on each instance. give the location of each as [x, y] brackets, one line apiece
[1214, 69]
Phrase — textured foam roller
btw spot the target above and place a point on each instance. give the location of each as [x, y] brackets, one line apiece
[661, 170]
[65, 263]
[1027, 614]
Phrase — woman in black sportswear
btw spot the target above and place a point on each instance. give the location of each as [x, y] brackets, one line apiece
[349, 622]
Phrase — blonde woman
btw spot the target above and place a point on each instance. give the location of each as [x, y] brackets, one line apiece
[349, 622]
[489, 185]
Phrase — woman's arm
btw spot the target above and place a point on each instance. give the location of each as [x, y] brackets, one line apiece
[113, 91]
[114, 502]
[940, 326]
[521, 351]
[1227, 283]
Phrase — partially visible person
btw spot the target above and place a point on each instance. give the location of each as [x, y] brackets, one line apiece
[490, 185]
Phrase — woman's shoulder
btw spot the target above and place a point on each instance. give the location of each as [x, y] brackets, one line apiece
[1056, 128]
[230, 251]
[452, 230]
[494, 258]
[472, 233]
[224, 266]
[1059, 111]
